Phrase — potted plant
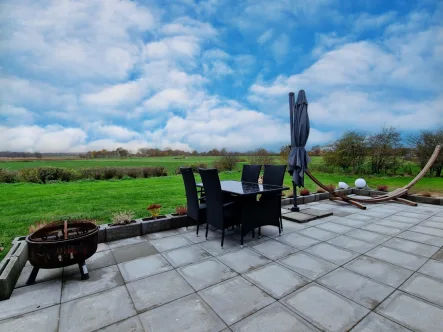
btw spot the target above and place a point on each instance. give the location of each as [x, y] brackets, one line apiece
[122, 226]
[154, 210]
[180, 217]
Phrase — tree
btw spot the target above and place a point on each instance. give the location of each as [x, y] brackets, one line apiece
[315, 151]
[38, 155]
[261, 157]
[122, 153]
[348, 152]
[284, 153]
[424, 145]
[227, 161]
[384, 149]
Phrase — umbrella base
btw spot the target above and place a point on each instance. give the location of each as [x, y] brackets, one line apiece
[295, 209]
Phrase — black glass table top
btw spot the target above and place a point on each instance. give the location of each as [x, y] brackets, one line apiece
[247, 188]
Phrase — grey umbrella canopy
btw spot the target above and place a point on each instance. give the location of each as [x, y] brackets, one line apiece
[298, 157]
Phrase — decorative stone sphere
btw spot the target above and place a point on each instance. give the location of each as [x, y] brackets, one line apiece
[360, 183]
[343, 185]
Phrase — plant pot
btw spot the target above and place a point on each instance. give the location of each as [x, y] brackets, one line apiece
[117, 232]
[151, 225]
[180, 220]
[114, 225]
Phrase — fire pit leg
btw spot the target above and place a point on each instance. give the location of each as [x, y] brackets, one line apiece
[83, 270]
[32, 276]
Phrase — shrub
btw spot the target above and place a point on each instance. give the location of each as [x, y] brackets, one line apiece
[382, 187]
[304, 192]
[194, 167]
[426, 194]
[320, 190]
[122, 218]
[29, 175]
[133, 172]
[157, 171]
[7, 176]
[261, 157]
[227, 162]
[154, 210]
[181, 210]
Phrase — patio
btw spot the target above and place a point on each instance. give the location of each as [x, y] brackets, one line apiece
[374, 270]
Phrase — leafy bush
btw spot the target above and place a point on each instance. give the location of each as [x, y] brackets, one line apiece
[181, 210]
[261, 157]
[7, 176]
[194, 167]
[426, 194]
[227, 162]
[382, 188]
[29, 175]
[122, 218]
[46, 174]
[304, 192]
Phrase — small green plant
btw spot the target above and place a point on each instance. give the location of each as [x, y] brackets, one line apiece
[304, 192]
[154, 210]
[181, 210]
[382, 188]
[122, 218]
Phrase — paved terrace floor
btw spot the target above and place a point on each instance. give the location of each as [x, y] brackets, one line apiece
[374, 270]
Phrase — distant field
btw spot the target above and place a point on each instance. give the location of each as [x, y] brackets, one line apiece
[22, 204]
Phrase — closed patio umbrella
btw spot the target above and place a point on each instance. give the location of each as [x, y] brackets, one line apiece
[298, 157]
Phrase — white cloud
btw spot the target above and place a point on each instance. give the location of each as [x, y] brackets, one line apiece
[367, 21]
[14, 116]
[118, 133]
[280, 47]
[265, 36]
[189, 26]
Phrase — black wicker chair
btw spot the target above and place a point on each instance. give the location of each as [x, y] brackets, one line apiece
[274, 175]
[250, 173]
[196, 208]
[218, 214]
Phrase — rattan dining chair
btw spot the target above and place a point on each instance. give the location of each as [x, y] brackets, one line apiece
[274, 175]
[196, 209]
[250, 173]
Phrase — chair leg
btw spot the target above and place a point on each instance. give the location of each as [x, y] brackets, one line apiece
[259, 232]
[198, 226]
[207, 228]
[281, 223]
[223, 237]
[241, 238]
[253, 233]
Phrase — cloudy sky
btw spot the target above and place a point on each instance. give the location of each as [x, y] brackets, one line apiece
[201, 74]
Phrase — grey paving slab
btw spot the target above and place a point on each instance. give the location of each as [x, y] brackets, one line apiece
[318, 234]
[276, 280]
[412, 312]
[189, 314]
[97, 261]
[333, 254]
[411, 221]
[317, 212]
[214, 246]
[350, 222]
[425, 287]
[400, 258]
[284, 211]
[31, 298]
[353, 286]
[428, 230]
[243, 260]
[271, 231]
[336, 228]
[341, 213]
[171, 242]
[422, 238]
[45, 320]
[206, 273]
[307, 265]
[159, 289]
[273, 249]
[298, 217]
[368, 236]
[438, 255]
[126, 242]
[297, 241]
[161, 235]
[132, 324]
[143, 267]
[377, 323]
[134, 251]
[102, 246]
[96, 311]
[361, 217]
[43, 275]
[248, 239]
[276, 318]
[352, 244]
[432, 224]
[324, 308]
[186, 255]
[393, 224]
[411, 246]
[99, 280]
[382, 229]
[289, 226]
[417, 216]
[383, 272]
[192, 236]
[436, 219]
[235, 299]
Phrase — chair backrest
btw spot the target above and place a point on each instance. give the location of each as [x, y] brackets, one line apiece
[250, 173]
[274, 174]
[213, 195]
[191, 192]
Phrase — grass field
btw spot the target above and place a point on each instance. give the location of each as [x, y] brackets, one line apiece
[22, 204]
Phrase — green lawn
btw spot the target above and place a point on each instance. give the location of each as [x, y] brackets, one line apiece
[23, 204]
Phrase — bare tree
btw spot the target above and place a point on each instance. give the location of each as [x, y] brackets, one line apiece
[424, 145]
[261, 157]
[348, 152]
[384, 149]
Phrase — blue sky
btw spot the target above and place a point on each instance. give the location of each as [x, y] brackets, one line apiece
[196, 75]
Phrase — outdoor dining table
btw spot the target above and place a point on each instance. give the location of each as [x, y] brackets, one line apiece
[252, 213]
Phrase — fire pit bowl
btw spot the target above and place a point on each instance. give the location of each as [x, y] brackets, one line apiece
[60, 244]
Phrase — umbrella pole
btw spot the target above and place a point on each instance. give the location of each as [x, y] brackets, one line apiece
[295, 208]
